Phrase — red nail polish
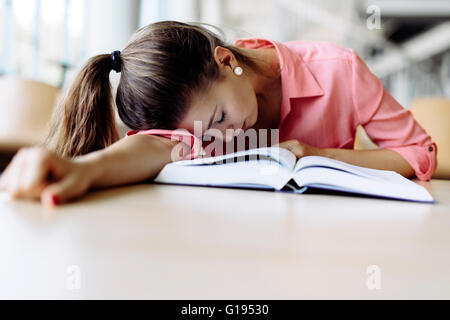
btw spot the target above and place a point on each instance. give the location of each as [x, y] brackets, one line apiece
[55, 200]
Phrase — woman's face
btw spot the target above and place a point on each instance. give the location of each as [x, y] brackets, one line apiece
[229, 105]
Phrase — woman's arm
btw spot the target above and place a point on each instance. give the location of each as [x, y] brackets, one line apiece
[381, 159]
[389, 125]
[36, 173]
[133, 159]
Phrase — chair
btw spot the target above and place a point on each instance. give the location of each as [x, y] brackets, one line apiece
[26, 108]
[362, 140]
[433, 114]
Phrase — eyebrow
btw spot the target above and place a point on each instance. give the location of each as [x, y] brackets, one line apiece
[212, 118]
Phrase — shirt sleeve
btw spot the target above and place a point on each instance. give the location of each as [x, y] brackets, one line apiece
[388, 124]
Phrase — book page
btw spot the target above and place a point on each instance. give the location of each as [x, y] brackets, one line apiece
[316, 161]
[282, 156]
[257, 174]
[331, 174]
[332, 179]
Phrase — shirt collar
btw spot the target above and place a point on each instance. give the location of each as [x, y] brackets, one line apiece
[297, 79]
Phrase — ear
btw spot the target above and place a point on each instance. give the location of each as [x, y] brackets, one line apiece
[225, 59]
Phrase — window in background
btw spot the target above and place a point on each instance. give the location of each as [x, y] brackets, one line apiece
[2, 31]
[42, 39]
[62, 37]
[25, 40]
[6, 33]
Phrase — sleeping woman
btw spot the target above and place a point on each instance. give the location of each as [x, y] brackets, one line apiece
[175, 75]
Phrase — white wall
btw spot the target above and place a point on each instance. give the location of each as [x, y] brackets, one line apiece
[181, 10]
[110, 24]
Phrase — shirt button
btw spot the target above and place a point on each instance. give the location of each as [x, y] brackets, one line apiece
[430, 149]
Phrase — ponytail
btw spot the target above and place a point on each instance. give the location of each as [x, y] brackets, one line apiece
[84, 121]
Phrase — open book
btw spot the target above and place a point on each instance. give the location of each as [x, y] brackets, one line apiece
[278, 169]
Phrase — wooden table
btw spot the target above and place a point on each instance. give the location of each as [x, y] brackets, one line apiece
[176, 242]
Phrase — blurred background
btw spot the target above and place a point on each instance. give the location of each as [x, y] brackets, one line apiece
[406, 43]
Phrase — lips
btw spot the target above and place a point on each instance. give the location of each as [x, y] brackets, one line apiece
[244, 127]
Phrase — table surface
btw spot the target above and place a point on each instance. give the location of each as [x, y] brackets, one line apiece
[153, 241]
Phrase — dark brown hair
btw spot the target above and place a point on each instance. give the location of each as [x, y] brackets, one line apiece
[163, 65]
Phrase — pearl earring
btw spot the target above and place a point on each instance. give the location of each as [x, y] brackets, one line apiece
[238, 71]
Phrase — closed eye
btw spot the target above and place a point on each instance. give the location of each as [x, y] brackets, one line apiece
[223, 118]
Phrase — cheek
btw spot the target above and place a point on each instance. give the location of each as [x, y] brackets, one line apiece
[245, 101]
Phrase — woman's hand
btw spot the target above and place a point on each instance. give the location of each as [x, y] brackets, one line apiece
[298, 148]
[36, 173]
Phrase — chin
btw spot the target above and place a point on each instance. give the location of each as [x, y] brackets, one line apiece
[253, 121]
[256, 113]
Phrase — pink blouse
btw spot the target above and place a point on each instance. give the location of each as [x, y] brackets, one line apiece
[327, 91]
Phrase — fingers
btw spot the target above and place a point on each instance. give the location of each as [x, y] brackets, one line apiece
[295, 146]
[36, 169]
[13, 184]
[64, 190]
[287, 144]
[180, 152]
[26, 176]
